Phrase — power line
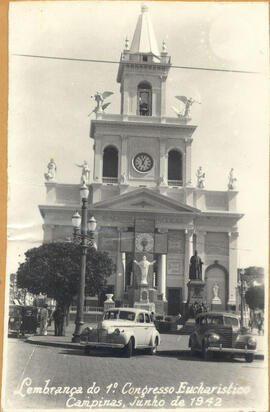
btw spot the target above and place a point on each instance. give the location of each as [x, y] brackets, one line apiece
[117, 62]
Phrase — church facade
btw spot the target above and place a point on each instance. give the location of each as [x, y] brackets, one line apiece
[141, 193]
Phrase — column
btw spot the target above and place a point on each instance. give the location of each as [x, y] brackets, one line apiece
[188, 253]
[163, 166]
[120, 270]
[162, 261]
[187, 163]
[163, 97]
[233, 236]
[98, 162]
[123, 169]
[123, 257]
[49, 233]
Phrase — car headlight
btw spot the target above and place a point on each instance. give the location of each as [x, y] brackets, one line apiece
[117, 331]
[252, 342]
[213, 338]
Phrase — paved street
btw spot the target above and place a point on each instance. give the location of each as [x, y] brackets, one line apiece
[116, 380]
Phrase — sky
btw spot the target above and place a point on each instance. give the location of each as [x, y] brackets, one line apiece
[49, 100]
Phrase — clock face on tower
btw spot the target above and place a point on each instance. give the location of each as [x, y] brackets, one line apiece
[142, 162]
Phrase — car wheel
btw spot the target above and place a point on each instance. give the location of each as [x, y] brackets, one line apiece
[128, 350]
[153, 349]
[207, 355]
[249, 357]
[193, 352]
[191, 345]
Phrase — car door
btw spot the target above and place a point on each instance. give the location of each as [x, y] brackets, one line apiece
[202, 327]
[149, 328]
[140, 330]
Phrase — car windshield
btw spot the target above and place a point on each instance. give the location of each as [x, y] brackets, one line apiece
[116, 314]
[231, 321]
[215, 320]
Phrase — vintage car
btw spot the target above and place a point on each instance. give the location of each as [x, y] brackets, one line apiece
[125, 329]
[22, 319]
[15, 320]
[221, 332]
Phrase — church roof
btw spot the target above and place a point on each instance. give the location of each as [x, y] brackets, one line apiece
[144, 200]
[144, 39]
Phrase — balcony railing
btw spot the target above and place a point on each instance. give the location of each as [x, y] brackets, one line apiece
[175, 182]
[110, 180]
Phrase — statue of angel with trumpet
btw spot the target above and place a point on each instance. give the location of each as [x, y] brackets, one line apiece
[188, 102]
[99, 98]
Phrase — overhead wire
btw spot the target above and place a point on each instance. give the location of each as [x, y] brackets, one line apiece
[117, 62]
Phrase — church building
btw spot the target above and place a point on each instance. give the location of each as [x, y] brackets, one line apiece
[141, 195]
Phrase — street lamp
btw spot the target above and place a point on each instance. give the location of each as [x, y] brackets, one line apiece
[243, 289]
[83, 236]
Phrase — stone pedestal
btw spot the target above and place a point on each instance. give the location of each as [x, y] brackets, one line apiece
[145, 297]
[216, 304]
[150, 306]
[216, 307]
[161, 307]
[109, 303]
[196, 291]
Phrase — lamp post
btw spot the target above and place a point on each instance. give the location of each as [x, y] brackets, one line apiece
[243, 288]
[85, 238]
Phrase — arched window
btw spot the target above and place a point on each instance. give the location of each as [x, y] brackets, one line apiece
[145, 99]
[175, 168]
[110, 165]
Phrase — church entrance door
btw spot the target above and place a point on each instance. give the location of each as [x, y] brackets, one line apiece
[174, 300]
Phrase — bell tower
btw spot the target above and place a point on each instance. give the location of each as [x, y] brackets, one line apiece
[141, 146]
[143, 72]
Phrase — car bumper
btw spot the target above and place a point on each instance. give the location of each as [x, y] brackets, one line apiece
[230, 350]
[104, 345]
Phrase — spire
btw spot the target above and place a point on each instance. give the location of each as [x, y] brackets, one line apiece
[144, 39]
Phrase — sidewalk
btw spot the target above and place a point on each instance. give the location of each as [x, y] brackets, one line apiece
[169, 342]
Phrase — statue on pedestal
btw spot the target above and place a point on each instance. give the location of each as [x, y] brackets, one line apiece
[200, 178]
[216, 298]
[99, 99]
[188, 102]
[144, 266]
[50, 175]
[195, 267]
[123, 178]
[232, 180]
[85, 173]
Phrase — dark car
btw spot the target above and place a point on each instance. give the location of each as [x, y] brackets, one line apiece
[15, 320]
[221, 332]
[22, 319]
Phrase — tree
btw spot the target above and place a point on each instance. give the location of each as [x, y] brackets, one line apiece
[255, 297]
[54, 269]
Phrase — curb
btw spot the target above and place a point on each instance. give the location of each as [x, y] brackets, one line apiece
[67, 345]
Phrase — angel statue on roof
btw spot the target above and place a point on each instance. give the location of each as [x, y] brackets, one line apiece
[188, 102]
[99, 98]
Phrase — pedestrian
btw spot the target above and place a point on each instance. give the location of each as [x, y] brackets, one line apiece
[44, 314]
[58, 317]
[260, 324]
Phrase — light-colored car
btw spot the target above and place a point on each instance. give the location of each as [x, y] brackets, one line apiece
[221, 332]
[125, 329]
